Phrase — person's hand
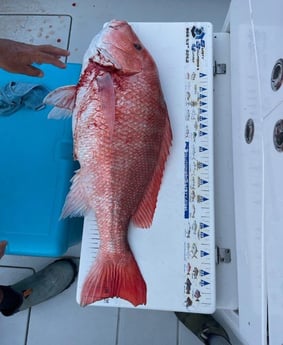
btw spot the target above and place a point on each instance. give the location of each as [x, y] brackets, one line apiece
[2, 248]
[17, 57]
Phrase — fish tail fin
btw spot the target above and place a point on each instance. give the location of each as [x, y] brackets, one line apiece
[114, 276]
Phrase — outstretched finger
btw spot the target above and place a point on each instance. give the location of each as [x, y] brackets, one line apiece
[52, 50]
[49, 59]
[32, 71]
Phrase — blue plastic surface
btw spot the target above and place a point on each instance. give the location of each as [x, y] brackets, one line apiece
[36, 168]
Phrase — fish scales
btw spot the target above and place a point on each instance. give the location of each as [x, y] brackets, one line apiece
[122, 137]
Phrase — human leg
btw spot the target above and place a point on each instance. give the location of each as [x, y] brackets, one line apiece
[39, 287]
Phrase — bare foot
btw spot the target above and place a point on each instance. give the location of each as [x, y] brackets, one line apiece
[2, 248]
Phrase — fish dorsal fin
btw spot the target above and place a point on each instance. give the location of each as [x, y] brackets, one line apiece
[144, 214]
[63, 98]
[107, 94]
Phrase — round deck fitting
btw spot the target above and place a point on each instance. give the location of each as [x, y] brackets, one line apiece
[277, 75]
[278, 135]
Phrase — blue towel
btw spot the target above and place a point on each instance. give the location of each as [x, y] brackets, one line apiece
[15, 95]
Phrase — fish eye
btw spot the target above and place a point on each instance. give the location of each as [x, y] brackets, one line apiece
[137, 46]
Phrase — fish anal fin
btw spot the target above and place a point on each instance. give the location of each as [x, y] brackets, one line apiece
[144, 214]
[114, 276]
[75, 204]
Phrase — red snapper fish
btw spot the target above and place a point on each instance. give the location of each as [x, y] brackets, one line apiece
[122, 137]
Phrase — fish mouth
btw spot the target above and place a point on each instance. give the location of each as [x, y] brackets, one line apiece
[107, 51]
[116, 24]
[103, 58]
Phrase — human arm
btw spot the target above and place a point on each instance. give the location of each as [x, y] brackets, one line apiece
[18, 57]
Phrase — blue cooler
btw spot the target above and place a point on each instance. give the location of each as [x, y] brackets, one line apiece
[36, 168]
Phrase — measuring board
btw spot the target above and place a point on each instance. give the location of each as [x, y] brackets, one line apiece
[177, 254]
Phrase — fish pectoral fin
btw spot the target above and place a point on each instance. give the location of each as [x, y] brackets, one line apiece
[75, 204]
[63, 98]
[107, 95]
[144, 214]
[59, 113]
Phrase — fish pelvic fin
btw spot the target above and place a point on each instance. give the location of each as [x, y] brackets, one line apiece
[114, 276]
[144, 214]
[63, 98]
[76, 204]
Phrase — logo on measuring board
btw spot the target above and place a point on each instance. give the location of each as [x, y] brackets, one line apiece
[198, 32]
